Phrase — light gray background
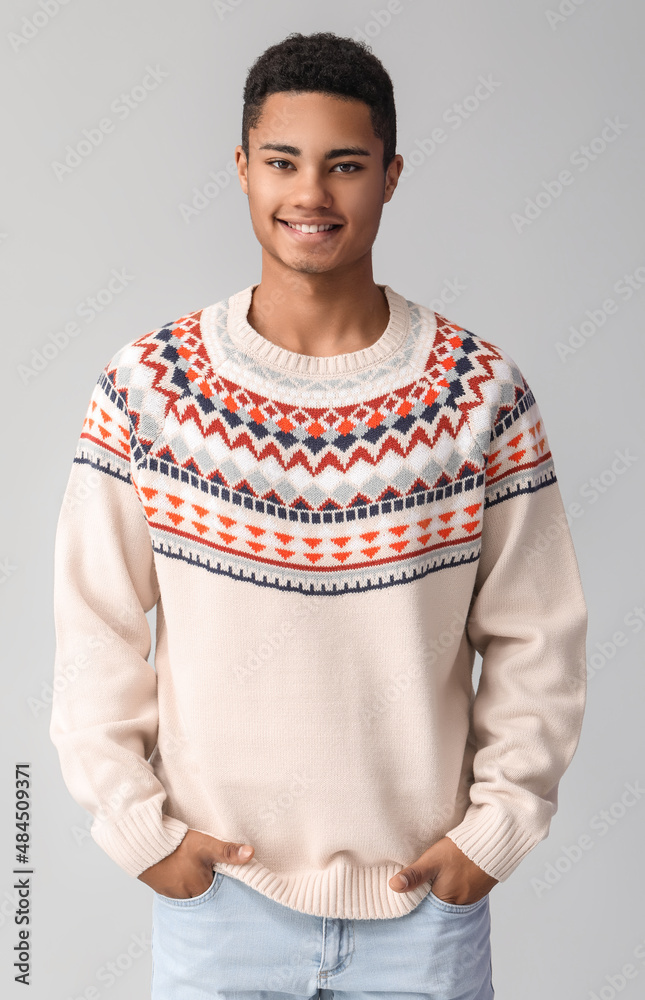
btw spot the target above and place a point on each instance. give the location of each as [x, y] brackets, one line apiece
[556, 81]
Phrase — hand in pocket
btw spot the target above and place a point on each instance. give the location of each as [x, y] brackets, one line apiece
[188, 871]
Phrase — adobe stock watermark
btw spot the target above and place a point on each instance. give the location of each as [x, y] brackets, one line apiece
[281, 294]
[286, 979]
[454, 116]
[107, 813]
[209, 191]
[8, 906]
[607, 649]
[112, 971]
[169, 743]
[451, 290]
[67, 673]
[616, 982]
[601, 823]
[626, 286]
[604, 651]
[285, 632]
[7, 569]
[379, 19]
[63, 676]
[591, 490]
[225, 7]
[581, 158]
[121, 107]
[275, 808]
[60, 340]
[33, 25]
[83, 490]
[564, 11]
[398, 685]
[218, 180]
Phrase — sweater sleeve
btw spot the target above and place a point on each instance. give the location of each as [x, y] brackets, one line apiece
[528, 620]
[104, 713]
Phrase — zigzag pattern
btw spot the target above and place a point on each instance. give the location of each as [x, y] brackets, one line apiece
[363, 492]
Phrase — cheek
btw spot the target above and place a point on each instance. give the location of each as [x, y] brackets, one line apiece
[365, 205]
[365, 222]
[264, 198]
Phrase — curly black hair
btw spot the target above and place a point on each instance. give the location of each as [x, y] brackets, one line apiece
[326, 63]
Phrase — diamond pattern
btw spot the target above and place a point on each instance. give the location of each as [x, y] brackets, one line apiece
[345, 496]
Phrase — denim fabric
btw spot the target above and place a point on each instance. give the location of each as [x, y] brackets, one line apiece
[234, 942]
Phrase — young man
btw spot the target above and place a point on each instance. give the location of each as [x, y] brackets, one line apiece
[333, 496]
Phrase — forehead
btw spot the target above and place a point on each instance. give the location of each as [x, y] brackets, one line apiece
[314, 118]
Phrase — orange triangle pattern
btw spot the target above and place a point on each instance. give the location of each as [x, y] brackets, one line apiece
[413, 536]
[412, 518]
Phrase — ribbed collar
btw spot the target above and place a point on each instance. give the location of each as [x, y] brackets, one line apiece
[247, 339]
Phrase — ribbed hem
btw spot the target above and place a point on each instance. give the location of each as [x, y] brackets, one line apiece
[492, 840]
[249, 340]
[342, 892]
[141, 838]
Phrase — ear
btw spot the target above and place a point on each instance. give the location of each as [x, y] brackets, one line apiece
[242, 168]
[392, 175]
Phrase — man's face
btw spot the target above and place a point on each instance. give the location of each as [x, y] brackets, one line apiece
[290, 177]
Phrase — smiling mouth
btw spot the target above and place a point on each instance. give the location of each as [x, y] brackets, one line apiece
[310, 230]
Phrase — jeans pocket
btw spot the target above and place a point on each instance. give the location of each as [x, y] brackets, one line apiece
[194, 900]
[442, 904]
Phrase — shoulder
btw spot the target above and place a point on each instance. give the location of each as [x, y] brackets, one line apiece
[145, 359]
[146, 375]
[489, 375]
[483, 384]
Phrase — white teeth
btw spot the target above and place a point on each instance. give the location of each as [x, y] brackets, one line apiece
[309, 229]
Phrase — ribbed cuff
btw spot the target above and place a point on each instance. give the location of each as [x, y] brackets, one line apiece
[493, 840]
[141, 838]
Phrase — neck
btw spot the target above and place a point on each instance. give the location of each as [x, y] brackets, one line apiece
[319, 314]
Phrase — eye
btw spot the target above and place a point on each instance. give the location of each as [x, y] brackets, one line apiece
[354, 166]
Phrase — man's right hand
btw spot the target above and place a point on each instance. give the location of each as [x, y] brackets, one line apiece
[188, 871]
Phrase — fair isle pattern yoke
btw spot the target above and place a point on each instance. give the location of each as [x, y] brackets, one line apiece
[382, 486]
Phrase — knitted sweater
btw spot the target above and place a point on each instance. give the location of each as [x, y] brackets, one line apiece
[327, 542]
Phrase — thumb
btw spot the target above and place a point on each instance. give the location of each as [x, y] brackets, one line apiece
[423, 869]
[239, 853]
[231, 853]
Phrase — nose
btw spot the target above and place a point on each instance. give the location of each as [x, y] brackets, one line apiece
[310, 190]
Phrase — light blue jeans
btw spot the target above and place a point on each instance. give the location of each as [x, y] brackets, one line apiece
[234, 942]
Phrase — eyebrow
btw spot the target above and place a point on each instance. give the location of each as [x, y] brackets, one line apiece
[331, 154]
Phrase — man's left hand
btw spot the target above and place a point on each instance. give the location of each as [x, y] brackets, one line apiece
[454, 877]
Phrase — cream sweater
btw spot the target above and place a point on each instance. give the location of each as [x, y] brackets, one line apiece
[327, 542]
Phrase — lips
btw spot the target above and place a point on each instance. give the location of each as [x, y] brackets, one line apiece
[310, 222]
[319, 234]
